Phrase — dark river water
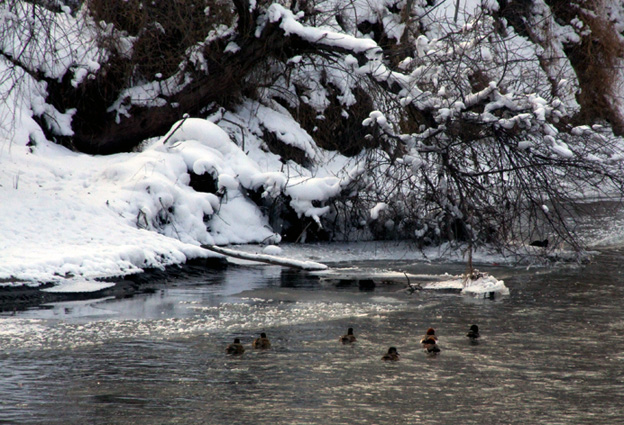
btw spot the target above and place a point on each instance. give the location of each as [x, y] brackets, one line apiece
[552, 352]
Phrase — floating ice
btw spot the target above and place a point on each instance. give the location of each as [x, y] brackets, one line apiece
[484, 286]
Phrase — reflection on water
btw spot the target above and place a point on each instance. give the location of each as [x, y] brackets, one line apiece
[551, 352]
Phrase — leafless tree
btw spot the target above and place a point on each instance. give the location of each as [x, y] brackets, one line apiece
[469, 137]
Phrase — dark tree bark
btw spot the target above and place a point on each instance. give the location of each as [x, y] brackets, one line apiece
[99, 131]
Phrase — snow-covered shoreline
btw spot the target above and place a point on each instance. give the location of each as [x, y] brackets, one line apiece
[378, 265]
[66, 215]
[73, 220]
[68, 218]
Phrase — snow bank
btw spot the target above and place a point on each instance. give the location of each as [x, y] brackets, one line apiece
[66, 215]
[74, 216]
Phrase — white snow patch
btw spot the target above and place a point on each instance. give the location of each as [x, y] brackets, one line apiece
[484, 286]
[272, 250]
[377, 209]
[79, 285]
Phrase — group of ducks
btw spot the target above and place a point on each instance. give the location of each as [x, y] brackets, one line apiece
[259, 343]
[429, 342]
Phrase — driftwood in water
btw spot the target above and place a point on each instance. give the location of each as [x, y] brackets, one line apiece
[269, 259]
[412, 287]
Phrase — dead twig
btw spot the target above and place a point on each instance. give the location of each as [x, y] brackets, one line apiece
[412, 287]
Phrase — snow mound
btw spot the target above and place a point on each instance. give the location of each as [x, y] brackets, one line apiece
[272, 250]
[70, 215]
[484, 286]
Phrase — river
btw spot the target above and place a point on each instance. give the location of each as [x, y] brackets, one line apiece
[552, 352]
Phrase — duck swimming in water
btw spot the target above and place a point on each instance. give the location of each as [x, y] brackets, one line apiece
[262, 342]
[429, 335]
[235, 348]
[473, 333]
[349, 337]
[391, 355]
[430, 345]
[430, 342]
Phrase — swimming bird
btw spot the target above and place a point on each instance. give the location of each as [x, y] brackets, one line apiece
[473, 333]
[430, 345]
[235, 348]
[429, 335]
[349, 337]
[391, 355]
[262, 342]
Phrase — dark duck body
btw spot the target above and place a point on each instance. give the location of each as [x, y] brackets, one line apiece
[235, 348]
[429, 335]
[430, 346]
[348, 338]
[473, 333]
[262, 342]
[430, 342]
[392, 355]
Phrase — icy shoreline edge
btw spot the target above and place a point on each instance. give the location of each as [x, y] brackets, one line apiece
[22, 297]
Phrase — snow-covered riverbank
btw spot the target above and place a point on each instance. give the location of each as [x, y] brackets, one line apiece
[68, 217]
[65, 214]
[72, 220]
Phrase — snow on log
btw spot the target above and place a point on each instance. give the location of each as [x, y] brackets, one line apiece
[270, 259]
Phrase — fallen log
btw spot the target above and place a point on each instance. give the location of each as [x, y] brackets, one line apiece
[269, 259]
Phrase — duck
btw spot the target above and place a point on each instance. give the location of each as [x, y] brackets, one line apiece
[262, 342]
[473, 333]
[430, 345]
[235, 348]
[429, 335]
[391, 355]
[348, 338]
